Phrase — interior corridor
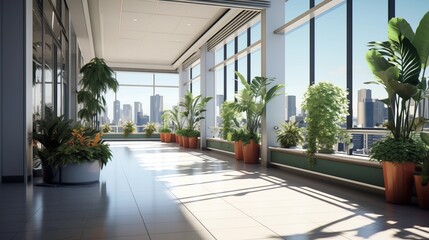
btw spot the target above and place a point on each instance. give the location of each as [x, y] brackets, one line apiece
[154, 190]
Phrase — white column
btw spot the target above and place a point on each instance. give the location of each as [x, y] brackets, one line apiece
[273, 62]
[16, 90]
[183, 78]
[208, 89]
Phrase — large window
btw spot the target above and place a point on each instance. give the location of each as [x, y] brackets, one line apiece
[141, 98]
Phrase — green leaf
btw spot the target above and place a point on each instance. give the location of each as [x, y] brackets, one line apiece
[376, 61]
[421, 40]
[425, 137]
[404, 90]
[399, 27]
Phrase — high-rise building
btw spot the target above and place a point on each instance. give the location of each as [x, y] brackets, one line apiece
[127, 114]
[116, 111]
[370, 112]
[290, 106]
[156, 108]
[137, 109]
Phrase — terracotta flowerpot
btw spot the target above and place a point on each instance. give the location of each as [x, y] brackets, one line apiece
[251, 152]
[422, 192]
[180, 139]
[398, 181]
[173, 137]
[162, 137]
[167, 137]
[193, 142]
[185, 142]
[238, 149]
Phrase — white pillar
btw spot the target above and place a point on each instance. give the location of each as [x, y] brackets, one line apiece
[16, 90]
[208, 89]
[183, 78]
[273, 62]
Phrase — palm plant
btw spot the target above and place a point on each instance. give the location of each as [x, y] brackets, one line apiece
[129, 128]
[289, 135]
[229, 119]
[177, 118]
[399, 65]
[194, 107]
[97, 79]
[253, 99]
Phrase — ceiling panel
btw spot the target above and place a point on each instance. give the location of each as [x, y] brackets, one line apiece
[139, 6]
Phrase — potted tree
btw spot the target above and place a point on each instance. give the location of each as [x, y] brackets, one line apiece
[252, 100]
[399, 66]
[193, 109]
[326, 107]
[289, 135]
[97, 79]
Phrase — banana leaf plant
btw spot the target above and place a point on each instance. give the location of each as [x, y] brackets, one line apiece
[193, 109]
[399, 65]
[97, 79]
[253, 99]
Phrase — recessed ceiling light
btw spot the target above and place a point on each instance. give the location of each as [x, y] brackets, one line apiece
[135, 19]
[188, 24]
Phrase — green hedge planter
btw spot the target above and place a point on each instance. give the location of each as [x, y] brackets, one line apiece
[362, 171]
[219, 144]
[130, 137]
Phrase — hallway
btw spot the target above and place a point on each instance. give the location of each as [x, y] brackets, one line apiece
[154, 190]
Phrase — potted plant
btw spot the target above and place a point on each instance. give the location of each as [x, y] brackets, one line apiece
[97, 79]
[237, 136]
[325, 105]
[149, 129]
[165, 131]
[185, 135]
[106, 128]
[193, 109]
[399, 65]
[79, 159]
[252, 100]
[128, 128]
[51, 132]
[229, 118]
[289, 135]
[178, 122]
[192, 136]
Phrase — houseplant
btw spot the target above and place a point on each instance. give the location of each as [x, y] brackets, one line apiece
[325, 105]
[165, 131]
[399, 65]
[97, 79]
[106, 128]
[421, 177]
[193, 109]
[289, 135]
[128, 128]
[229, 118]
[178, 122]
[79, 159]
[149, 129]
[237, 136]
[51, 132]
[252, 100]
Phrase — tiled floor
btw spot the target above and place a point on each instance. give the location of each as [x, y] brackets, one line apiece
[156, 191]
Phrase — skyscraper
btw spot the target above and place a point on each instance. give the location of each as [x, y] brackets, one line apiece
[156, 108]
[290, 106]
[137, 109]
[127, 113]
[371, 112]
[116, 111]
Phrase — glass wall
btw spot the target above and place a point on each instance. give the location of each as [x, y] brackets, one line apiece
[141, 98]
[329, 53]
[50, 51]
[236, 53]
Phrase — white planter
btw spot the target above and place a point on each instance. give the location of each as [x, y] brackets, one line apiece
[83, 173]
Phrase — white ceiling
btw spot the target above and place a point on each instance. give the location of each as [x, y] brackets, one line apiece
[146, 34]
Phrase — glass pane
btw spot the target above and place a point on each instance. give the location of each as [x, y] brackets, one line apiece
[48, 54]
[196, 87]
[242, 69]
[219, 93]
[128, 95]
[170, 97]
[255, 63]
[219, 55]
[293, 8]
[255, 32]
[48, 12]
[242, 41]
[330, 52]
[230, 49]
[297, 65]
[230, 79]
[59, 83]
[367, 111]
[195, 71]
[135, 78]
[166, 79]
[37, 64]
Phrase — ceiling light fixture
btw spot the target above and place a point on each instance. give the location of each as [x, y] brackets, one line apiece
[188, 24]
[135, 19]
